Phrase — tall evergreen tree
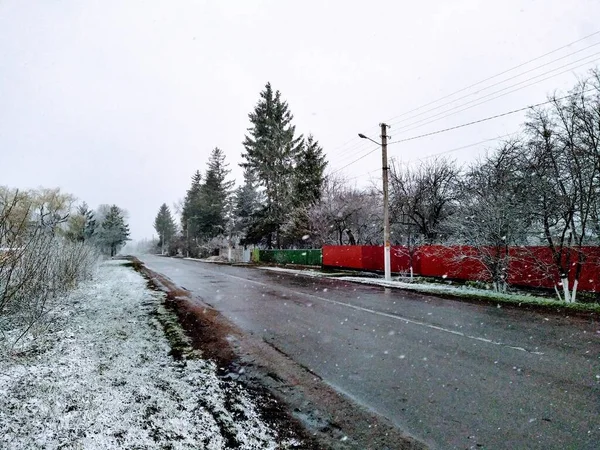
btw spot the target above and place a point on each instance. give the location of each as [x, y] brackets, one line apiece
[164, 225]
[271, 148]
[90, 221]
[246, 205]
[307, 187]
[211, 205]
[309, 173]
[81, 225]
[189, 204]
[114, 232]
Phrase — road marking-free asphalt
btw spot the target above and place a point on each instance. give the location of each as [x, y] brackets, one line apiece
[391, 316]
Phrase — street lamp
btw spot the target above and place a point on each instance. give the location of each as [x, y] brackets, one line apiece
[386, 209]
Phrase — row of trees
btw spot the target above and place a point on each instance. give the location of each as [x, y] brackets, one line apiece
[283, 179]
[540, 188]
[104, 228]
[47, 246]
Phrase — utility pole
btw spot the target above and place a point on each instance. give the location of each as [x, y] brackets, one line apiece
[386, 208]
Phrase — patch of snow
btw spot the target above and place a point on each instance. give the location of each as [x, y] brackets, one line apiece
[103, 378]
[306, 272]
[441, 289]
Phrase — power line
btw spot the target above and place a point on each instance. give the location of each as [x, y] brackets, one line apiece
[419, 123]
[363, 174]
[512, 78]
[514, 111]
[445, 152]
[434, 154]
[483, 120]
[444, 115]
[497, 75]
[336, 149]
[356, 160]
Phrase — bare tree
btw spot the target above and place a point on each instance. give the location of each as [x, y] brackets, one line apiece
[343, 208]
[493, 212]
[425, 195]
[37, 264]
[563, 143]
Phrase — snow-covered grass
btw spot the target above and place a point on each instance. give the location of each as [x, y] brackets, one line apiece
[103, 378]
[446, 290]
[472, 293]
[303, 272]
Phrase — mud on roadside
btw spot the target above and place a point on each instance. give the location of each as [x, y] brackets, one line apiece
[291, 399]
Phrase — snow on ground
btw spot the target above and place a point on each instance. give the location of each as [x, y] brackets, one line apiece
[460, 291]
[427, 288]
[304, 272]
[104, 379]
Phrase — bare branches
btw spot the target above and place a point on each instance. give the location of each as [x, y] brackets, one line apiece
[425, 195]
[37, 265]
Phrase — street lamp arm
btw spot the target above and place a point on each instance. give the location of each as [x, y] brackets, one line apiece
[362, 136]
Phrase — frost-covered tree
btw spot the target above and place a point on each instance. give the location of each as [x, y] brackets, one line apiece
[345, 211]
[113, 232]
[210, 208]
[51, 208]
[81, 226]
[309, 173]
[271, 150]
[494, 212]
[246, 204]
[37, 262]
[190, 203]
[425, 195]
[563, 142]
[308, 181]
[164, 225]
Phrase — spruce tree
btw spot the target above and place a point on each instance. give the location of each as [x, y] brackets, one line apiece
[309, 173]
[190, 204]
[164, 225]
[81, 225]
[271, 148]
[246, 205]
[211, 206]
[90, 222]
[114, 232]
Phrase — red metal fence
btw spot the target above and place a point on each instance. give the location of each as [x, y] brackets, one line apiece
[529, 266]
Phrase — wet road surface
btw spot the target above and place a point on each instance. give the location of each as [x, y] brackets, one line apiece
[452, 374]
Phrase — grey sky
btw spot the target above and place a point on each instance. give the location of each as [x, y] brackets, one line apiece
[121, 101]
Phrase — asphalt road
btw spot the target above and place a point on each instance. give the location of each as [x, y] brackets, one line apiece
[452, 374]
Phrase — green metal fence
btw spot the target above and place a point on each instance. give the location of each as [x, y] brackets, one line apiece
[309, 257]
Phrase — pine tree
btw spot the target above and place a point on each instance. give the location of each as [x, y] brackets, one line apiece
[189, 204]
[164, 225]
[81, 225]
[211, 205]
[247, 203]
[90, 222]
[309, 173]
[270, 152]
[114, 232]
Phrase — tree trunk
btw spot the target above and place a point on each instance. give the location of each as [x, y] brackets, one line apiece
[565, 285]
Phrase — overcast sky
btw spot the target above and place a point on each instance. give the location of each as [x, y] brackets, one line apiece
[121, 101]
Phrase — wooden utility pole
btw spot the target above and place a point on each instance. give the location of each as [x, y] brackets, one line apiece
[386, 207]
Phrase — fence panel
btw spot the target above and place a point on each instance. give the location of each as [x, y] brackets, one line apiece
[307, 257]
[529, 266]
